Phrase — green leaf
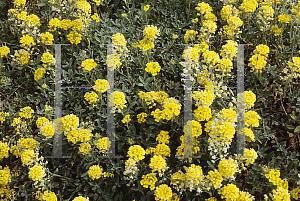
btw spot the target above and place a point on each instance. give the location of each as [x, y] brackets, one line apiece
[297, 129]
[268, 157]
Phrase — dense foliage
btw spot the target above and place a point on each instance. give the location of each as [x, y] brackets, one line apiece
[160, 155]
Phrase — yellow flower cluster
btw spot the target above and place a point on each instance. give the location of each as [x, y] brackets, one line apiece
[295, 67]
[163, 137]
[141, 117]
[148, 181]
[119, 41]
[80, 198]
[249, 135]
[136, 152]
[74, 37]
[276, 30]
[258, 60]
[178, 180]
[249, 6]
[229, 115]
[146, 8]
[281, 194]
[202, 113]
[84, 7]
[89, 64]
[249, 99]
[4, 51]
[171, 107]
[190, 35]
[48, 129]
[153, 68]
[150, 33]
[5, 176]
[36, 173]
[3, 115]
[47, 196]
[22, 56]
[40, 121]
[39, 73]
[274, 177]
[26, 112]
[163, 192]
[296, 193]
[284, 18]
[92, 97]
[47, 59]
[119, 100]
[101, 85]
[47, 38]
[162, 150]
[27, 157]
[230, 14]
[79, 135]
[250, 156]
[152, 96]
[215, 178]
[230, 192]
[228, 167]
[27, 41]
[103, 144]
[251, 118]
[194, 176]
[3, 150]
[69, 122]
[158, 163]
[126, 119]
[95, 172]
[20, 3]
[95, 17]
[204, 97]
[85, 148]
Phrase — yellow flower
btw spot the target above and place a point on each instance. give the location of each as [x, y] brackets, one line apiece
[26, 112]
[80, 198]
[74, 37]
[39, 73]
[5, 176]
[47, 38]
[228, 167]
[92, 97]
[4, 150]
[141, 117]
[148, 181]
[20, 3]
[95, 172]
[126, 119]
[54, 23]
[158, 163]
[22, 56]
[48, 129]
[163, 137]
[153, 68]
[251, 118]
[283, 18]
[230, 192]
[118, 101]
[249, 6]
[85, 148]
[216, 178]
[136, 152]
[163, 192]
[36, 173]
[4, 51]
[47, 58]
[103, 144]
[190, 35]
[249, 155]
[146, 8]
[101, 85]
[95, 17]
[88, 64]
[48, 196]
[3, 115]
